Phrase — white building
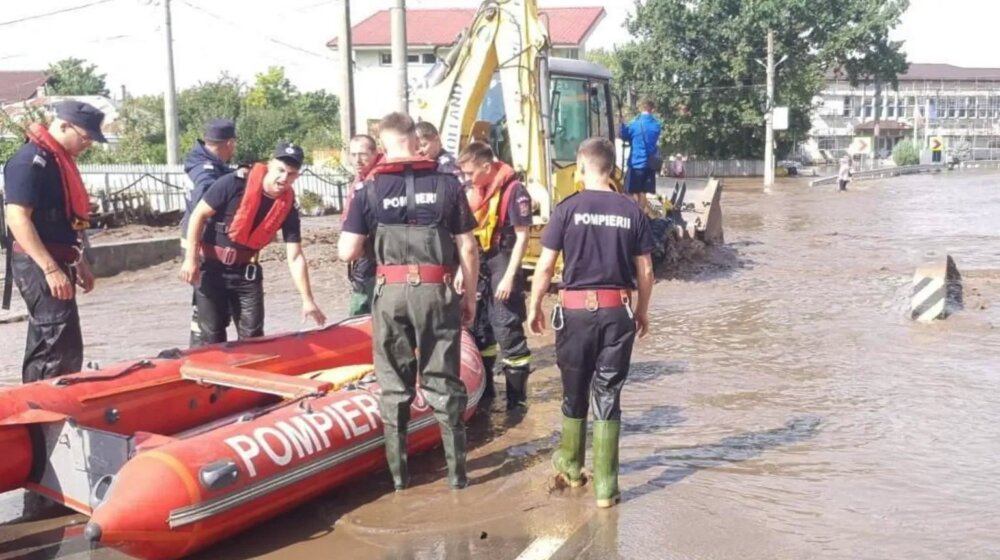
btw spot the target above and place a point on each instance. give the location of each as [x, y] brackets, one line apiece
[961, 106]
[430, 29]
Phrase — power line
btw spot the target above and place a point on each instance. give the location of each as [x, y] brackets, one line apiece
[101, 40]
[269, 38]
[56, 12]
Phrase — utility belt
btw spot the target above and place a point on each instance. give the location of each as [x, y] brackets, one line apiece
[414, 274]
[228, 256]
[231, 256]
[64, 253]
[591, 300]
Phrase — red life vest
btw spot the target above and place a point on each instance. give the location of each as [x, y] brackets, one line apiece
[75, 194]
[241, 229]
[490, 206]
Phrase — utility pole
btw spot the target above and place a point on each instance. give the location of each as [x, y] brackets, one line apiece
[170, 95]
[769, 117]
[398, 13]
[345, 51]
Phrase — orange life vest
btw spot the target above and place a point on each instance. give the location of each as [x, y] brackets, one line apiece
[75, 194]
[490, 206]
[399, 165]
[241, 229]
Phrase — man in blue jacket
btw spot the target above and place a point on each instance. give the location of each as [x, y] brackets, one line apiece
[204, 164]
[642, 134]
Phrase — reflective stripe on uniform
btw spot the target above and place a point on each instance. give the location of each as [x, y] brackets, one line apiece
[490, 351]
[517, 362]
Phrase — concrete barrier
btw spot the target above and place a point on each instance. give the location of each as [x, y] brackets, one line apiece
[113, 258]
[881, 173]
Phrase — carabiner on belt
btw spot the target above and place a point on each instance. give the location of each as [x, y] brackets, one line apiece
[558, 320]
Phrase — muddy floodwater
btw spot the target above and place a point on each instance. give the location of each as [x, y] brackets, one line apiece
[784, 406]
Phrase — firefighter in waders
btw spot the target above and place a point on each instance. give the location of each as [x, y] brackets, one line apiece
[47, 211]
[205, 164]
[605, 241]
[423, 232]
[502, 208]
[243, 212]
[364, 157]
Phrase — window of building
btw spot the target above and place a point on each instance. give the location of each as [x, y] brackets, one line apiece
[890, 110]
[859, 107]
[981, 106]
[847, 106]
[870, 108]
[385, 58]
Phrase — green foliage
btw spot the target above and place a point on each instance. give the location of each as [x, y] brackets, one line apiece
[73, 76]
[270, 111]
[272, 90]
[905, 153]
[697, 60]
[309, 201]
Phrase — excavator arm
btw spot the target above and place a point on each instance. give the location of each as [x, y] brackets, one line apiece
[506, 39]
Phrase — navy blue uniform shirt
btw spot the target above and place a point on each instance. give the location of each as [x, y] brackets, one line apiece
[203, 168]
[599, 234]
[390, 191]
[33, 180]
[518, 207]
[225, 196]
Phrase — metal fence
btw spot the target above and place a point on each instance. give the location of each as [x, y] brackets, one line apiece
[166, 186]
[723, 168]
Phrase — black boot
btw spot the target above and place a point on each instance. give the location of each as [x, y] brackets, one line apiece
[517, 387]
[490, 392]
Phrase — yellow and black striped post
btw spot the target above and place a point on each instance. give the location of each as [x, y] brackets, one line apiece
[937, 291]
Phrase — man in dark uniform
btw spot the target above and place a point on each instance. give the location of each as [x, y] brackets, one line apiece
[207, 161]
[47, 209]
[423, 231]
[243, 212]
[606, 243]
[364, 157]
[502, 207]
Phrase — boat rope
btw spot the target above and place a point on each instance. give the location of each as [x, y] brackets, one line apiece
[131, 368]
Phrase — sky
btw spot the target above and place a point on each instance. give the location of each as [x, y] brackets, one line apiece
[124, 38]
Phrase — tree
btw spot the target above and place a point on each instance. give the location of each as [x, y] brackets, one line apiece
[272, 89]
[271, 111]
[703, 56]
[73, 76]
[905, 153]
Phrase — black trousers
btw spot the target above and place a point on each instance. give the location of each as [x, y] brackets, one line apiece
[499, 325]
[230, 293]
[54, 344]
[593, 352]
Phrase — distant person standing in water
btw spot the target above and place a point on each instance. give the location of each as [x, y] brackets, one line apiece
[844, 176]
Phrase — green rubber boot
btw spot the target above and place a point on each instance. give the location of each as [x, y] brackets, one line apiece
[568, 458]
[606, 434]
[395, 454]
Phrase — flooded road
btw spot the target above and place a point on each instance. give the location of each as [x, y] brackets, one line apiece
[784, 406]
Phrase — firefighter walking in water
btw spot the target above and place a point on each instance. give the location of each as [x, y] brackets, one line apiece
[423, 232]
[502, 208]
[244, 211]
[605, 240]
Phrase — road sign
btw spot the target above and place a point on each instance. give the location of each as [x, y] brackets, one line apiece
[780, 121]
[861, 145]
[936, 143]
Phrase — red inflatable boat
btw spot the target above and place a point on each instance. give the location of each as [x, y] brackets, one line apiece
[172, 454]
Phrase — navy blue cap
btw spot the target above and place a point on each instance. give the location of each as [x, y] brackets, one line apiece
[291, 152]
[83, 115]
[220, 130]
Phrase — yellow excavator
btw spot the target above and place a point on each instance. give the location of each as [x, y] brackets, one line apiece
[498, 83]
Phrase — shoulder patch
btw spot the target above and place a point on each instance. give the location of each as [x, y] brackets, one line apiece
[208, 165]
[524, 206]
[242, 172]
[39, 161]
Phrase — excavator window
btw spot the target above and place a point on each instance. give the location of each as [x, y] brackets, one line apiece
[570, 117]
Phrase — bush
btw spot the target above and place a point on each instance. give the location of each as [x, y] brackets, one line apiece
[905, 153]
[311, 203]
